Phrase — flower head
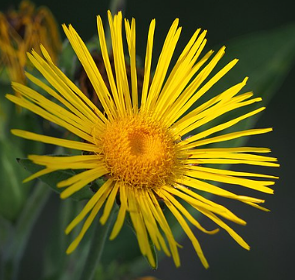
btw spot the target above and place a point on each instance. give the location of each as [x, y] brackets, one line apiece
[141, 145]
[24, 29]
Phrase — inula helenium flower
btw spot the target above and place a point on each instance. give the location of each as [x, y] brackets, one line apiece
[151, 150]
[24, 29]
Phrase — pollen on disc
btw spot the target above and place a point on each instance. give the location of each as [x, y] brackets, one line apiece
[140, 152]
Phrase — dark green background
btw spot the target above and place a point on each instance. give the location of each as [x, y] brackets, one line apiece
[271, 235]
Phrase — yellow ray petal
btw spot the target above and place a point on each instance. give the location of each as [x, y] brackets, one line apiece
[159, 216]
[230, 172]
[191, 95]
[109, 204]
[119, 107]
[119, 61]
[130, 36]
[139, 226]
[86, 225]
[69, 162]
[64, 122]
[184, 212]
[151, 223]
[206, 187]
[56, 141]
[163, 63]
[38, 174]
[186, 229]
[230, 231]
[252, 184]
[207, 204]
[225, 137]
[90, 69]
[223, 126]
[147, 64]
[86, 115]
[83, 102]
[181, 73]
[122, 212]
[231, 161]
[200, 111]
[80, 180]
[77, 101]
[100, 195]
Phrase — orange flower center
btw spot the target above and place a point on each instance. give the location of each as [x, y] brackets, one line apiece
[139, 152]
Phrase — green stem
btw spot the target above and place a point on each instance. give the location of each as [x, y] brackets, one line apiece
[96, 247]
[26, 221]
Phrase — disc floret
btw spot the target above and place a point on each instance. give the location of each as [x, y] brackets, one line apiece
[139, 151]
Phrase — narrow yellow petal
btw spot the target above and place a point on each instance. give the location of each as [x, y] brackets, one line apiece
[159, 216]
[232, 161]
[56, 141]
[147, 64]
[122, 212]
[231, 173]
[80, 180]
[252, 184]
[224, 137]
[100, 195]
[65, 122]
[206, 187]
[183, 210]
[104, 51]
[139, 226]
[68, 162]
[109, 204]
[85, 227]
[38, 174]
[230, 231]
[207, 204]
[186, 229]
[119, 61]
[223, 126]
[163, 63]
[130, 36]
[90, 69]
[181, 73]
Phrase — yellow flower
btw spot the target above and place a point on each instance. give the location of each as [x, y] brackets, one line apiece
[22, 30]
[141, 145]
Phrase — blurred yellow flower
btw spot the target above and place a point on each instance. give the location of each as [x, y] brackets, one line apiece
[24, 29]
[139, 144]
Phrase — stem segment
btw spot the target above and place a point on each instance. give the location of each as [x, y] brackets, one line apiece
[23, 229]
[96, 247]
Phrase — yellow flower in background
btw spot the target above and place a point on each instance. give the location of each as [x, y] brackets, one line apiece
[139, 144]
[24, 29]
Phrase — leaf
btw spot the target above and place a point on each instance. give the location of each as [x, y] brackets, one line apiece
[266, 58]
[12, 192]
[52, 179]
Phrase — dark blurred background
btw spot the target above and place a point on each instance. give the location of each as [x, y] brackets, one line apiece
[270, 235]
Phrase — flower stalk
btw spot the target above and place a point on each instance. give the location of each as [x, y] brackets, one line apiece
[97, 245]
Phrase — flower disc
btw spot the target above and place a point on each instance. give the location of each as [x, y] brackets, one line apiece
[139, 152]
